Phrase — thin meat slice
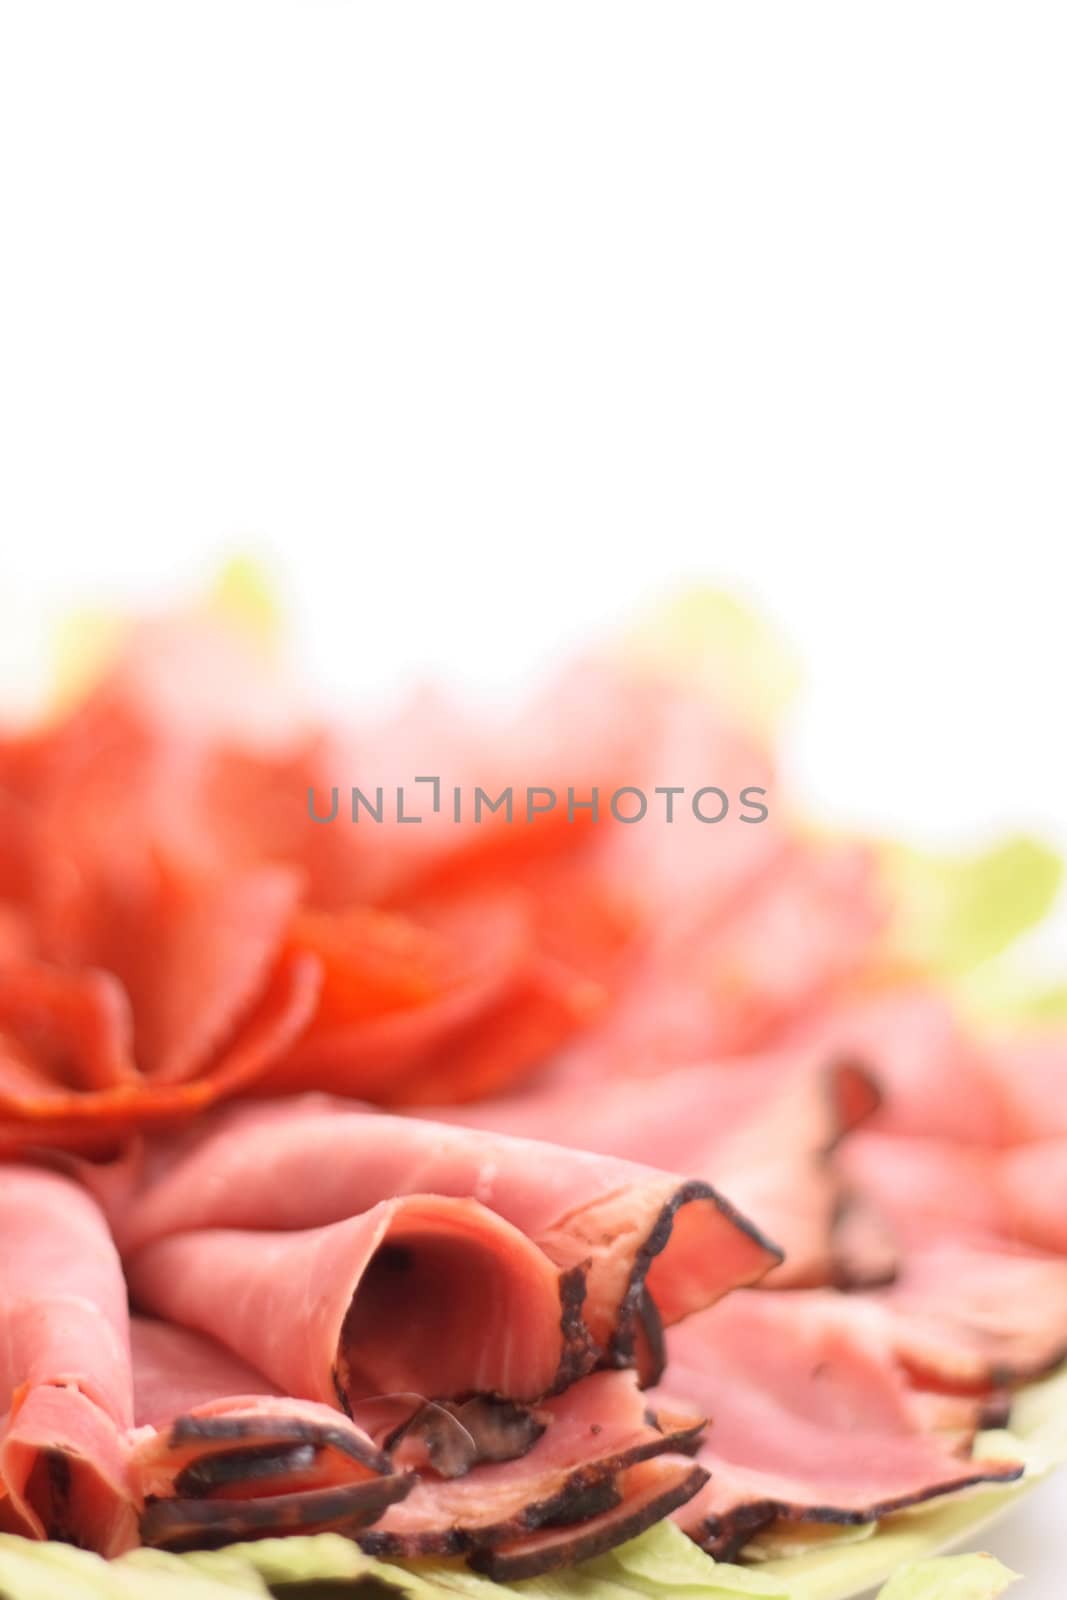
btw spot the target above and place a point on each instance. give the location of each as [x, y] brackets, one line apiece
[709, 983]
[176, 1371]
[936, 1080]
[66, 1393]
[64, 1471]
[644, 1494]
[313, 1161]
[453, 1000]
[811, 1419]
[762, 1127]
[978, 1315]
[63, 1029]
[35, 1112]
[193, 949]
[191, 1524]
[593, 1435]
[419, 1294]
[981, 1295]
[221, 1455]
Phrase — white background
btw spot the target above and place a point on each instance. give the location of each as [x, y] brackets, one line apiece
[486, 323]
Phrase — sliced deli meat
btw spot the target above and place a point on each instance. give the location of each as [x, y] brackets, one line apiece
[627, 1230]
[420, 1294]
[765, 1128]
[222, 1455]
[592, 1439]
[66, 1397]
[643, 1495]
[811, 1418]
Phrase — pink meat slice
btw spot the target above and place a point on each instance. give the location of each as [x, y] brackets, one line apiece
[220, 1454]
[311, 1162]
[593, 1435]
[763, 1127]
[1031, 1074]
[66, 1392]
[977, 1315]
[420, 1293]
[643, 1495]
[936, 1080]
[176, 1370]
[811, 1418]
[711, 981]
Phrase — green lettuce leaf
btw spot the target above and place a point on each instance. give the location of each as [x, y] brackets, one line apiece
[32, 1571]
[952, 913]
[976, 1577]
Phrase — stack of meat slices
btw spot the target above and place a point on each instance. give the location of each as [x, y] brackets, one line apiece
[419, 1335]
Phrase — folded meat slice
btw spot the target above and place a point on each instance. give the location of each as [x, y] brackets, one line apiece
[576, 1472]
[66, 1395]
[811, 1418]
[222, 1455]
[453, 1001]
[643, 1495]
[78, 1021]
[711, 980]
[630, 1229]
[980, 1299]
[421, 1294]
[936, 1079]
[763, 1127]
[974, 1316]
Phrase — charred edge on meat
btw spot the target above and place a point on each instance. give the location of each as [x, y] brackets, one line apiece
[511, 1566]
[995, 1410]
[555, 1510]
[719, 1535]
[650, 1344]
[227, 1467]
[271, 1430]
[621, 1352]
[844, 1271]
[206, 1524]
[684, 1440]
[580, 1353]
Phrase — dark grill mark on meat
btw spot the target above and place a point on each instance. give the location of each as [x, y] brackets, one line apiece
[623, 1349]
[207, 1524]
[509, 1566]
[267, 1431]
[579, 1353]
[723, 1536]
[228, 1467]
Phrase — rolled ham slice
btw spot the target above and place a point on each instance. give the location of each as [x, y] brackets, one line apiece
[763, 1127]
[422, 1294]
[66, 1393]
[631, 1230]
